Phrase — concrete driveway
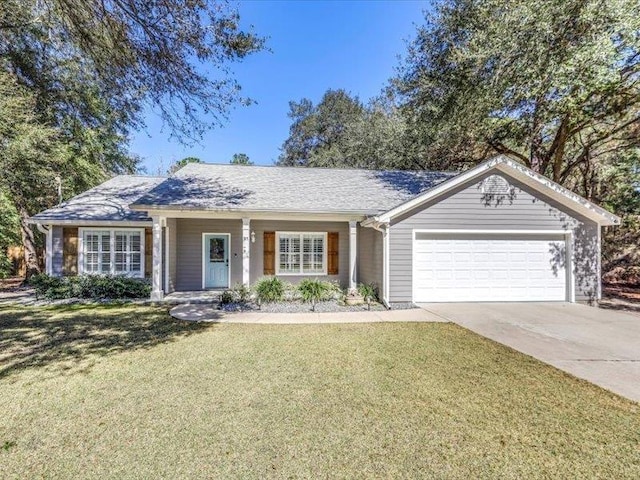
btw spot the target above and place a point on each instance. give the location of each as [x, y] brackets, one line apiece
[598, 345]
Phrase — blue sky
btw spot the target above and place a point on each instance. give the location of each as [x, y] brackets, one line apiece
[314, 46]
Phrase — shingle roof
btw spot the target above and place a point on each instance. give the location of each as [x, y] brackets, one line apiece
[257, 188]
[106, 202]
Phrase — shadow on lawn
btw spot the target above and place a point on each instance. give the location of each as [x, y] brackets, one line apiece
[69, 337]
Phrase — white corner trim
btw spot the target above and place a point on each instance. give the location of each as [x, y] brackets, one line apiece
[48, 233]
[384, 230]
[166, 257]
[511, 168]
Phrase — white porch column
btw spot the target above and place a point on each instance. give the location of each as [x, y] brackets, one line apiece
[246, 251]
[156, 270]
[353, 256]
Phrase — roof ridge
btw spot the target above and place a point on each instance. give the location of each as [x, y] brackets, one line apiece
[292, 167]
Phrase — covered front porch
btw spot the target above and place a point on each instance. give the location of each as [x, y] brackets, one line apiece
[195, 258]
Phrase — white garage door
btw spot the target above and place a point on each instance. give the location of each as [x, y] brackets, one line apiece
[485, 268]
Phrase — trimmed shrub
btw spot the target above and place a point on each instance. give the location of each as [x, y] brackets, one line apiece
[315, 291]
[241, 292]
[227, 297]
[93, 287]
[269, 289]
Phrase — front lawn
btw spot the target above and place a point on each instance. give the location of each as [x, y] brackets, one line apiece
[126, 392]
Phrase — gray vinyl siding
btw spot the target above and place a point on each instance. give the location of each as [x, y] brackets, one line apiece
[257, 248]
[57, 251]
[370, 257]
[189, 250]
[468, 208]
[173, 258]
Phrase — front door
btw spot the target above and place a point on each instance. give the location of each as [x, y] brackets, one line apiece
[216, 261]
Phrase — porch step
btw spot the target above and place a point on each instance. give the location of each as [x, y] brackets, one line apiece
[193, 297]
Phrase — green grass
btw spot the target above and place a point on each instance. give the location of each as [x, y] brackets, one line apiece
[126, 392]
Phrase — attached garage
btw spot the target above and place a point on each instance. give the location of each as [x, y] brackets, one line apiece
[491, 266]
[496, 233]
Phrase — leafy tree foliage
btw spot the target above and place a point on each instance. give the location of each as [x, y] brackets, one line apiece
[240, 159]
[554, 84]
[77, 74]
[135, 51]
[31, 156]
[340, 131]
[181, 163]
[9, 228]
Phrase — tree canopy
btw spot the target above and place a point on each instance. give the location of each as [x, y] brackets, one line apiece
[240, 159]
[181, 163]
[341, 131]
[78, 75]
[553, 83]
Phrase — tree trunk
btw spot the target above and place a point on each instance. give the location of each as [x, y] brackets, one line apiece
[32, 265]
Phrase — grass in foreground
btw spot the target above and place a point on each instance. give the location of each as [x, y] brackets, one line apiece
[126, 392]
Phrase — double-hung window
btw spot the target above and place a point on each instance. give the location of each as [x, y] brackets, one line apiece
[301, 253]
[117, 252]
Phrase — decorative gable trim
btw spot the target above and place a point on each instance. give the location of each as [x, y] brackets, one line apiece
[513, 169]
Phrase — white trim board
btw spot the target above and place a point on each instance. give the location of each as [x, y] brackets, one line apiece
[94, 223]
[202, 256]
[284, 215]
[519, 172]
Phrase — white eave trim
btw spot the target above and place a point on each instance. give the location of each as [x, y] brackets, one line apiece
[527, 176]
[92, 223]
[298, 215]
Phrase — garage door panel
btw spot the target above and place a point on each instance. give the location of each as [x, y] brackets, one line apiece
[496, 268]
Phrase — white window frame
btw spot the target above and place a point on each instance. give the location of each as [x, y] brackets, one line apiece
[301, 273]
[112, 241]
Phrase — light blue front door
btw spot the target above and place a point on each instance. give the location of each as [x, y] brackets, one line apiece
[216, 261]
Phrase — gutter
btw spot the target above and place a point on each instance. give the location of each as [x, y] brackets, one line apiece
[162, 208]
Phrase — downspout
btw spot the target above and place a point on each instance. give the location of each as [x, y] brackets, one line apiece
[384, 229]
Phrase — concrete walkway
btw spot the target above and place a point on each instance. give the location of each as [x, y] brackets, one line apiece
[207, 313]
[598, 345]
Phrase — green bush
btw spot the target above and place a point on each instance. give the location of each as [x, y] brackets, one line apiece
[315, 291]
[241, 292]
[90, 287]
[269, 289]
[227, 297]
[369, 292]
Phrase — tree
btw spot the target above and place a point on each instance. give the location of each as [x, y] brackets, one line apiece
[343, 132]
[173, 56]
[317, 132]
[32, 155]
[9, 228]
[554, 84]
[79, 75]
[240, 159]
[181, 163]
